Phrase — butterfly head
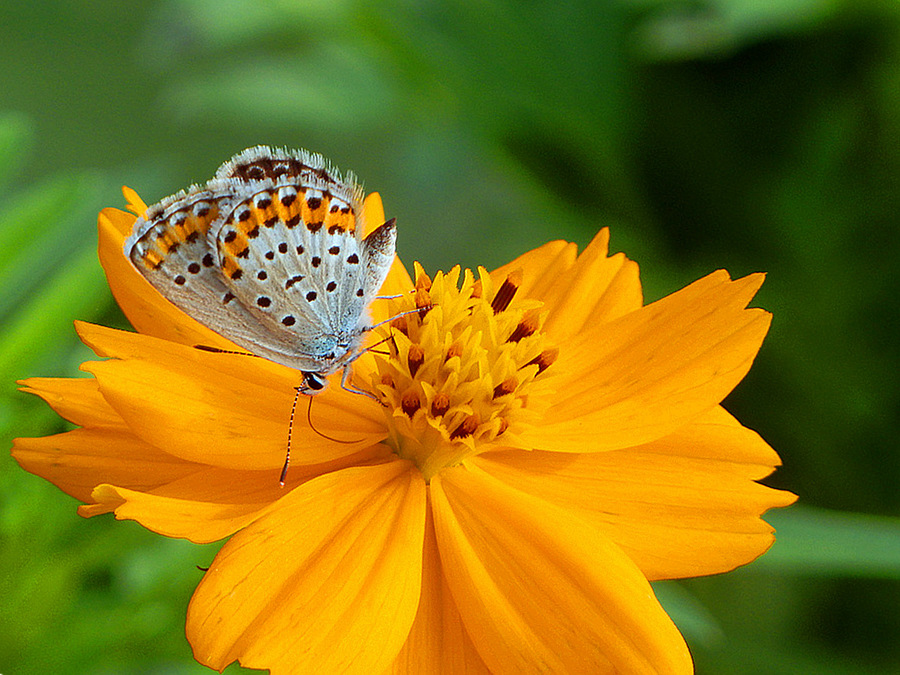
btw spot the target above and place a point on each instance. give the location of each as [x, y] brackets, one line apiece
[313, 383]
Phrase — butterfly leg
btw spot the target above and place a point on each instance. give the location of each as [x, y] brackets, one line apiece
[345, 385]
[396, 316]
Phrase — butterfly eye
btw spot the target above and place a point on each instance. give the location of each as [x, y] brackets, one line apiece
[313, 383]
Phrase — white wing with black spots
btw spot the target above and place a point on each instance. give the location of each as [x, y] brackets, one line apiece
[270, 255]
[169, 247]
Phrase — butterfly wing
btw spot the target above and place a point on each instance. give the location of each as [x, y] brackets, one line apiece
[270, 255]
[291, 253]
[169, 247]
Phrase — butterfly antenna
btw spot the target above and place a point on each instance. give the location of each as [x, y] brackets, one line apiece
[216, 350]
[287, 454]
[324, 435]
[371, 348]
[397, 316]
[395, 296]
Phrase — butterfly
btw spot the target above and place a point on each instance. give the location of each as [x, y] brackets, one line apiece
[271, 254]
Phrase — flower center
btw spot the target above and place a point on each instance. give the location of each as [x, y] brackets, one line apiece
[457, 378]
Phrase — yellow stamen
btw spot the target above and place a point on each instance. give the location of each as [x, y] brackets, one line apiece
[545, 360]
[410, 402]
[457, 378]
[415, 358]
[440, 405]
[507, 292]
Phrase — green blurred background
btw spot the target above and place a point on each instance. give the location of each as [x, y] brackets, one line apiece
[745, 134]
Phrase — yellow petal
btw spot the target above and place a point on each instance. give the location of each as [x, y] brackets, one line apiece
[642, 376]
[397, 282]
[597, 289]
[225, 410]
[147, 310]
[79, 460]
[134, 203]
[326, 581]
[577, 293]
[75, 399]
[122, 344]
[373, 213]
[540, 590]
[438, 642]
[541, 268]
[682, 506]
[208, 505]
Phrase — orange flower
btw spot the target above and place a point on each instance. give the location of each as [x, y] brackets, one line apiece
[546, 445]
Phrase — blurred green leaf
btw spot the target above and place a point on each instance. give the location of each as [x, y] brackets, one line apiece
[693, 619]
[35, 235]
[16, 137]
[818, 542]
[42, 332]
[302, 96]
[76, 290]
[685, 30]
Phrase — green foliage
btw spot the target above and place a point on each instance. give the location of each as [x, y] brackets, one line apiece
[727, 133]
[816, 542]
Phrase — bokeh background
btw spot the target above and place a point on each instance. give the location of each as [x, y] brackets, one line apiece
[745, 134]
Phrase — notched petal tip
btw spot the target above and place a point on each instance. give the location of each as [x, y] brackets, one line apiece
[106, 499]
[651, 371]
[133, 202]
[593, 290]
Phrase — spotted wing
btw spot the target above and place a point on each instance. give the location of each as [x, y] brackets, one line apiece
[297, 166]
[169, 247]
[293, 255]
[270, 255]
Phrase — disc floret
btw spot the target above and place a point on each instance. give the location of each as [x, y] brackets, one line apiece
[461, 371]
